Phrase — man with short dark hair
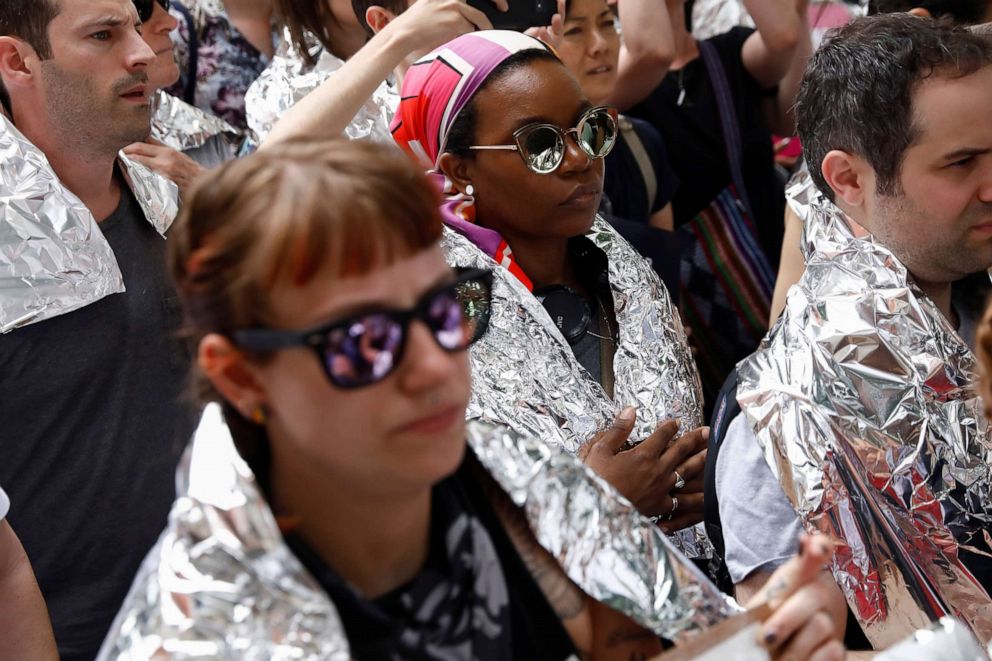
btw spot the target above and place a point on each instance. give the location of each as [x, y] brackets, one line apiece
[860, 410]
[91, 370]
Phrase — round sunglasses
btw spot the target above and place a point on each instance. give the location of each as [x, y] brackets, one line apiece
[367, 347]
[542, 145]
[146, 7]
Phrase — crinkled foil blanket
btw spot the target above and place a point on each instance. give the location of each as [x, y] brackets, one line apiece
[221, 583]
[288, 79]
[53, 257]
[183, 126]
[864, 400]
[525, 376]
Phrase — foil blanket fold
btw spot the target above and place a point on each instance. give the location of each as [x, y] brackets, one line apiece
[864, 400]
[221, 583]
[525, 376]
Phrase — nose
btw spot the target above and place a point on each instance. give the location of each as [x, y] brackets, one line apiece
[574, 160]
[425, 364]
[165, 22]
[139, 54]
[597, 42]
[985, 186]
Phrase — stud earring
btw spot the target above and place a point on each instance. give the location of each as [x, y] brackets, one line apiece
[258, 415]
[470, 190]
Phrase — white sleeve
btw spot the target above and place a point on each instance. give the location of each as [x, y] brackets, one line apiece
[760, 527]
[4, 505]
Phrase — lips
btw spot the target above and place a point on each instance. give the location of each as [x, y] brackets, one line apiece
[595, 71]
[136, 93]
[584, 195]
[437, 421]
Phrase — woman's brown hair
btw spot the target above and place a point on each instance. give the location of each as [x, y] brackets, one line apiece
[337, 207]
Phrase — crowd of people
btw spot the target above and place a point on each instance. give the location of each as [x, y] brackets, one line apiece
[354, 329]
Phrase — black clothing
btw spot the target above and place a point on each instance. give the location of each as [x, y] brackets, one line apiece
[474, 598]
[92, 433]
[623, 179]
[694, 138]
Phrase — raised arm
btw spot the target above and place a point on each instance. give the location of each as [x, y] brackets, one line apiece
[325, 112]
[647, 51]
[771, 50]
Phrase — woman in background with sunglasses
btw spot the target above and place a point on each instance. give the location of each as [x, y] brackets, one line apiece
[334, 334]
[583, 328]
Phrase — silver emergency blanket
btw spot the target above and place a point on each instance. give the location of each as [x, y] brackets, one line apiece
[222, 584]
[525, 376]
[945, 640]
[864, 400]
[288, 78]
[53, 257]
[182, 126]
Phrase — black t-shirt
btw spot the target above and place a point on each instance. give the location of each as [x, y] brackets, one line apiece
[474, 598]
[694, 138]
[92, 432]
[623, 181]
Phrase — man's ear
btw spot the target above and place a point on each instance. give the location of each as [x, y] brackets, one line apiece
[233, 376]
[18, 62]
[456, 168]
[850, 177]
[378, 18]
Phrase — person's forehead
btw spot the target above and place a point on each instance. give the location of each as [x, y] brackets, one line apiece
[949, 112]
[586, 9]
[539, 89]
[74, 13]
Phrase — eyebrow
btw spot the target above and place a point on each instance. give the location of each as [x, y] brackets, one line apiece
[958, 154]
[106, 21]
[605, 12]
[366, 307]
[584, 105]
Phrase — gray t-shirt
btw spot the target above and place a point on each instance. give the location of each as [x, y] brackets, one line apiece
[760, 528]
[92, 431]
[4, 505]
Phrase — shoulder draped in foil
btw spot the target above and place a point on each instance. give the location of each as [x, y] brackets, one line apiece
[53, 257]
[288, 79]
[222, 584]
[525, 376]
[183, 127]
[864, 399]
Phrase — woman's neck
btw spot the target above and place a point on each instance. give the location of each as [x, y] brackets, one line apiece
[545, 261]
[686, 48]
[375, 541]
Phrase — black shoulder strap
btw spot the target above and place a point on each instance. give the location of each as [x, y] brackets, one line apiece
[193, 54]
[724, 412]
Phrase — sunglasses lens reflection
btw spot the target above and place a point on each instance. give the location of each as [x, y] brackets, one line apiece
[544, 149]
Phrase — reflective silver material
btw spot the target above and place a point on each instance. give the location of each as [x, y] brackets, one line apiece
[183, 126]
[53, 257]
[945, 640]
[221, 582]
[611, 552]
[864, 399]
[524, 374]
[288, 79]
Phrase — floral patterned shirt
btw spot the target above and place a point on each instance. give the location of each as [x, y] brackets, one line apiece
[225, 62]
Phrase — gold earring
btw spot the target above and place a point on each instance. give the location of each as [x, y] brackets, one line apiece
[258, 415]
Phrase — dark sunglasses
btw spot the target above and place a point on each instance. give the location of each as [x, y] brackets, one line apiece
[542, 146]
[146, 7]
[366, 348]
